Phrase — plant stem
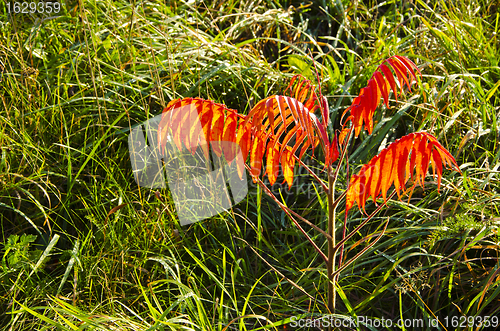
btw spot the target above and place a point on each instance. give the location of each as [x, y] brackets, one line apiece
[289, 212]
[259, 222]
[331, 241]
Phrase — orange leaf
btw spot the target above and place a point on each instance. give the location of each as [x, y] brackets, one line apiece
[195, 128]
[288, 163]
[197, 122]
[273, 162]
[390, 165]
[164, 126]
[374, 184]
[343, 135]
[294, 119]
[353, 193]
[265, 125]
[217, 128]
[382, 84]
[365, 180]
[176, 126]
[409, 65]
[243, 138]
[420, 148]
[229, 136]
[386, 165]
[388, 75]
[401, 156]
[401, 72]
[206, 122]
[256, 155]
[334, 151]
[364, 105]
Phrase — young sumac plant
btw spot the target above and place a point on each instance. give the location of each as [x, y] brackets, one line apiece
[282, 128]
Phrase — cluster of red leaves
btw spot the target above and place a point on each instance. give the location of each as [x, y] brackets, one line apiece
[396, 164]
[279, 125]
[194, 122]
[267, 131]
[364, 105]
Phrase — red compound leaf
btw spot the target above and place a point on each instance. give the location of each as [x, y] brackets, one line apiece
[364, 105]
[407, 156]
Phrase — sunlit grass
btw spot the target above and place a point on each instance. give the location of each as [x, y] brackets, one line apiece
[111, 255]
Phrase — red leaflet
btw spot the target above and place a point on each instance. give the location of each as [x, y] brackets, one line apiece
[205, 118]
[243, 138]
[229, 136]
[273, 162]
[390, 78]
[334, 151]
[176, 125]
[400, 71]
[288, 163]
[217, 127]
[256, 155]
[386, 158]
[164, 126]
[193, 122]
[294, 120]
[364, 105]
[382, 85]
[194, 138]
[392, 165]
[343, 135]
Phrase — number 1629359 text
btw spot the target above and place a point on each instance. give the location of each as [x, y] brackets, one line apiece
[45, 7]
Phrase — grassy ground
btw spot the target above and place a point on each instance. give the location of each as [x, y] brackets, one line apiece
[85, 247]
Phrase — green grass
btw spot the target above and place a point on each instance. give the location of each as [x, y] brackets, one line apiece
[85, 248]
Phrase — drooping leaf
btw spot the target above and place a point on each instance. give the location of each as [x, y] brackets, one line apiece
[217, 127]
[275, 129]
[194, 122]
[411, 153]
[164, 126]
[243, 138]
[291, 119]
[273, 162]
[364, 105]
[176, 127]
[390, 78]
[256, 154]
[288, 163]
[343, 135]
[382, 85]
[334, 150]
[387, 160]
[302, 89]
[229, 135]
